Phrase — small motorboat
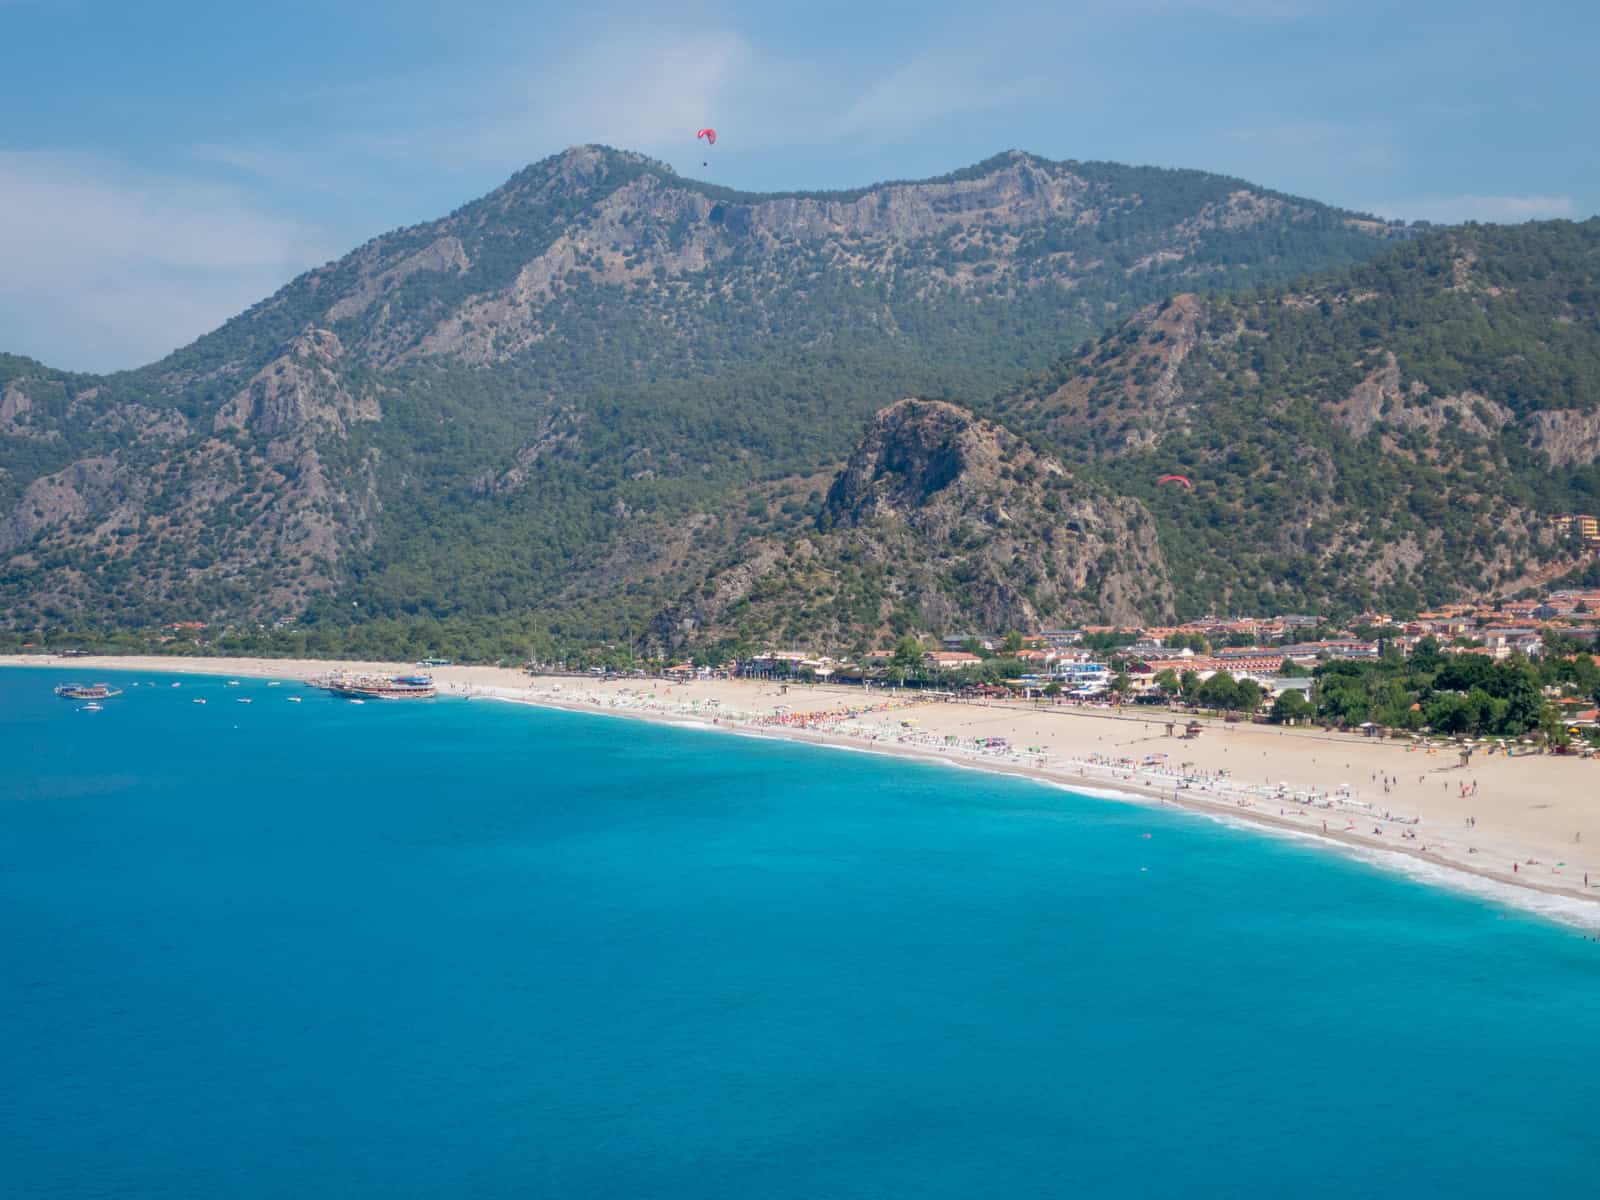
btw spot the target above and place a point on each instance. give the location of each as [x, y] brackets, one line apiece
[93, 707]
[295, 699]
[244, 699]
[233, 683]
[199, 701]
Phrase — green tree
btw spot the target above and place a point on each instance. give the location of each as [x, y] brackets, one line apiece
[1291, 707]
[908, 659]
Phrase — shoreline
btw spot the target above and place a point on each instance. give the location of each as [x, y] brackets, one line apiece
[1134, 793]
[915, 728]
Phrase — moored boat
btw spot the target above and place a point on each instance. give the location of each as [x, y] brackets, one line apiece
[378, 687]
[87, 691]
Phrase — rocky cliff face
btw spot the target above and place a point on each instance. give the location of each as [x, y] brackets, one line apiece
[297, 389]
[242, 513]
[85, 491]
[942, 520]
[595, 218]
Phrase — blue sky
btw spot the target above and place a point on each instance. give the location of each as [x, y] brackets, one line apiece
[165, 163]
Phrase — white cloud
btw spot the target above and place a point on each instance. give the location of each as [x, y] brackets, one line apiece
[1454, 209]
[107, 267]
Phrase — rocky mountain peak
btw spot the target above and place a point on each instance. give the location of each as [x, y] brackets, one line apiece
[914, 450]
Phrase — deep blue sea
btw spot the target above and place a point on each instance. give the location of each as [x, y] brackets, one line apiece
[467, 949]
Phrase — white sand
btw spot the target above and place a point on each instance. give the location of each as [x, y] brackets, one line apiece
[1539, 812]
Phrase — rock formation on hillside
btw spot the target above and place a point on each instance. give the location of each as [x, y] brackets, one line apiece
[953, 521]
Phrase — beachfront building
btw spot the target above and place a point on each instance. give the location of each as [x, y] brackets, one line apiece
[1083, 678]
[951, 660]
[774, 664]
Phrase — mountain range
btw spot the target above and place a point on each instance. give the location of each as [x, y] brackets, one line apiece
[605, 401]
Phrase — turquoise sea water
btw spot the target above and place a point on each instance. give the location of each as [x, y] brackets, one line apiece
[470, 949]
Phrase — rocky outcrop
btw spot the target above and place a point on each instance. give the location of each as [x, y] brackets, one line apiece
[956, 519]
[298, 388]
[1381, 398]
[1017, 533]
[914, 451]
[15, 406]
[557, 429]
[1567, 437]
[443, 256]
[965, 233]
[86, 489]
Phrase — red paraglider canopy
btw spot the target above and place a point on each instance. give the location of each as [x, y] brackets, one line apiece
[710, 135]
[1183, 479]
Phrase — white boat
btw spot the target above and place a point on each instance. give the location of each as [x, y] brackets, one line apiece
[358, 702]
[244, 699]
[233, 683]
[273, 682]
[93, 707]
[199, 701]
[177, 685]
[294, 699]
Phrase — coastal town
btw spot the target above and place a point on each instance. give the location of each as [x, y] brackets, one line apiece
[1264, 666]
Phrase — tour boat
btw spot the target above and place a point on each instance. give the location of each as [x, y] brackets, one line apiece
[86, 691]
[378, 687]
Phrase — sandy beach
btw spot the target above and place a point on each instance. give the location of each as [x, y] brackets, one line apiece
[1532, 822]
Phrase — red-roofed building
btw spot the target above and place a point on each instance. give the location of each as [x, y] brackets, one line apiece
[951, 659]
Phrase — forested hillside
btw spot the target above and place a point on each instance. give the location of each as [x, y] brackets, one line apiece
[506, 415]
[1396, 433]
